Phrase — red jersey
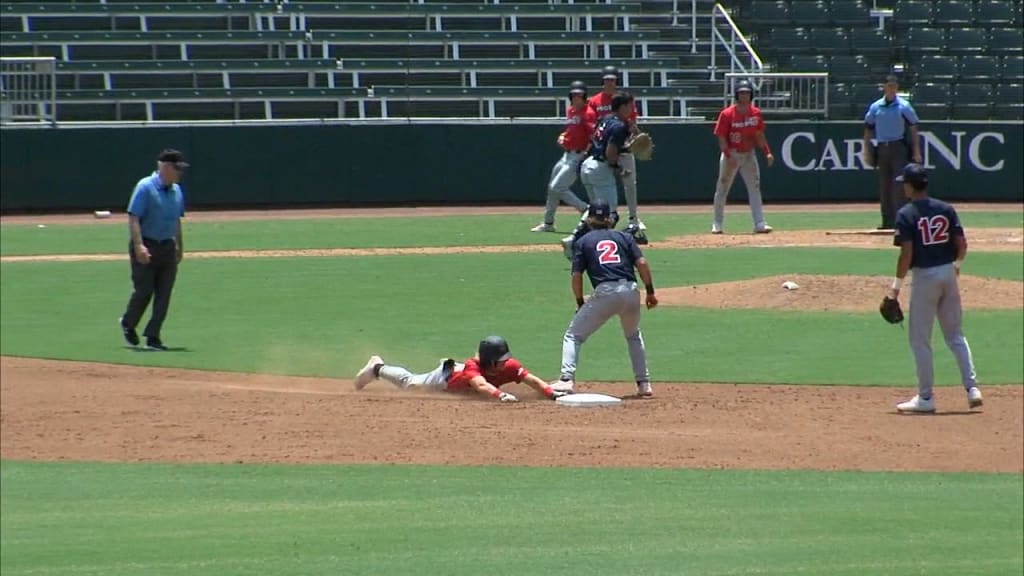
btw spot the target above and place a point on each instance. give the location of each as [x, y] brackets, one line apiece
[509, 371]
[739, 128]
[579, 127]
[601, 104]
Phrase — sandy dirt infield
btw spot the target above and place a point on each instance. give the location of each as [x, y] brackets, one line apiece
[83, 411]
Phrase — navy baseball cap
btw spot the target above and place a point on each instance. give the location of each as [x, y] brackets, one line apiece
[599, 208]
[913, 173]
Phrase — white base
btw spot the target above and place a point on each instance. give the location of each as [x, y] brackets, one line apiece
[588, 400]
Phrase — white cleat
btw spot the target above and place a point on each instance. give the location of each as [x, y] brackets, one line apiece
[974, 399]
[716, 228]
[637, 223]
[918, 405]
[366, 375]
[765, 229]
[567, 243]
[643, 389]
[563, 385]
[543, 228]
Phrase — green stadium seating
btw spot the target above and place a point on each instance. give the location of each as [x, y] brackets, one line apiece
[1013, 68]
[912, 13]
[972, 102]
[807, 63]
[1008, 101]
[789, 39]
[769, 12]
[931, 101]
[840, 103]
[994, 12]
[979, 68]
[870, 40]
[849, 67]
[938, 68]
[830, 40]
[961, 40]
[809, 13]
[953, 13]
[1006, 40]
[921, 39]
[851, 13]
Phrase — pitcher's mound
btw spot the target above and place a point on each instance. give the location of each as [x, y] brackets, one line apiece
[832, 293]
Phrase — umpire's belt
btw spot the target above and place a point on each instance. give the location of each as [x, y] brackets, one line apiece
[890, 143]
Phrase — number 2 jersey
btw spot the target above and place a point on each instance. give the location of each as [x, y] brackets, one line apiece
[606, 255]
[931, 225]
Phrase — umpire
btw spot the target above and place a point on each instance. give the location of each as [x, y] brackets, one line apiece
[889, 119]
[154, 219]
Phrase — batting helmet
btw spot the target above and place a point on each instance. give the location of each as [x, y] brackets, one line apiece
[493, 349]
[610, 73]
[577, 87]
[743, 86]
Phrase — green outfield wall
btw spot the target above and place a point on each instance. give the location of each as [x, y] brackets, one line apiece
[371, 164]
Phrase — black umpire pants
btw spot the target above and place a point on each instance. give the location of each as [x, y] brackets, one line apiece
[152, 281]
[890, 158]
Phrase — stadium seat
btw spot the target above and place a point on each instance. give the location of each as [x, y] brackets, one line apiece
[850, 13]
[789, 39]
[972, 102]
[937, 68]
[920, 39]
[912, 12]
[961, 40]
[931, 101]
[809, 13]
[1006, 40]
[864, 94]
[870, 40]
[807, 63]
[953, 13]
[840, 105]
[830, 40]
[976, 69]
[848, 68]
[1013, 68]
[770, 12]
[994, 12]
[1008, 101]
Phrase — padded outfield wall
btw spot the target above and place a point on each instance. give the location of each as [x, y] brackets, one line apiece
[73, 168]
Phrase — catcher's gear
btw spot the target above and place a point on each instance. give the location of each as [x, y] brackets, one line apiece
[891, 310]
[743, 86]
[634, 230]
[577, 87]
[610, 73]
[493, 349]
[641, 146]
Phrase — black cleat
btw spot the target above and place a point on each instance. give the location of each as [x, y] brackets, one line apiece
[130, 336]
[155, 344]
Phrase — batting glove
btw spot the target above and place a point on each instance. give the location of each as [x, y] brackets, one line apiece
[506, 397]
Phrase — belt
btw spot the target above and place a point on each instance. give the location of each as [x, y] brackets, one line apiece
[576, 151]
[155, 241]
[890, 142]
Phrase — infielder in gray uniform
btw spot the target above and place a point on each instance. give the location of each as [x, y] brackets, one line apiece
[609, 258]
[932, 244]
[739, 129]
[574, 140]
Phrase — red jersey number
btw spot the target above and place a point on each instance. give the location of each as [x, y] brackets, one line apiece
[934, 230]
[608, 252]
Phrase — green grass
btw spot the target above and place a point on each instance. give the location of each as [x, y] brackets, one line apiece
[117, 519]
[323, 316]
[406, 231]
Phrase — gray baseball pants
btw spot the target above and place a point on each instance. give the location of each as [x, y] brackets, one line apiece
[563, 176]
[608, 299]
[748, 168]
[935, 292]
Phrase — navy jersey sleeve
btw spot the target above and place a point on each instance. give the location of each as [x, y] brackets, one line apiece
[631, 246]
[904, 229]
[619, 134]
[955, 228]
[579, 263]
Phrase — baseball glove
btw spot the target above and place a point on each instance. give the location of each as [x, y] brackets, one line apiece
[890, 310]
[641, 145]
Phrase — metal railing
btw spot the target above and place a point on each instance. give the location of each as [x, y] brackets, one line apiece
[784, 92]
[28, 90]
[739, 52]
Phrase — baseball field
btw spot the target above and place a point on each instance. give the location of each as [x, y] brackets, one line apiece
[771, 446]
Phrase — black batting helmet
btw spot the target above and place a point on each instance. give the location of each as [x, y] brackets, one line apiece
[743, 86]
[609, 73]
[577, 87]
[492, 349]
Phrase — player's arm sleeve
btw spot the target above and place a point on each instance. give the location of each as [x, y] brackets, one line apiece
[904, 230]
[955, 227]
[722, 125]
[139, 201]
[869, 117]
[909, 114]
[619, 137]
[515, 366]
[579, 264]
[632, 248]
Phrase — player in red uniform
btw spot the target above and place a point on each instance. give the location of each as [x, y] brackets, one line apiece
[485, 373]
[574, 140]
[739, 128]
[601, 104]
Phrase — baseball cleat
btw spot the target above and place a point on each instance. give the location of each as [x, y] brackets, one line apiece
[130, 335]
[766, 229]
[154, 343]
[917, 405]
[716, 228]
[543, 228]
[643, 389]
[567, 243]
[366, 375]
[563, 385]
[637, 223]
[974, 399]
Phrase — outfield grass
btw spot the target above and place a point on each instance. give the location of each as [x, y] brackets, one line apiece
[119, 519]
[324, 316]
[17, 239]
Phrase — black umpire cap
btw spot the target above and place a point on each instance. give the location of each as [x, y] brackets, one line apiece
[172, 156]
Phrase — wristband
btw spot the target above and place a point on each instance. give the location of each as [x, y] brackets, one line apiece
[547, 390]
[766, 150]
[957, 263]
[650, 288]
[897, 283]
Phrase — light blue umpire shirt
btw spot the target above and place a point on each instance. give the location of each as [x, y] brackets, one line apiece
[157, 207]
[889, 120]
